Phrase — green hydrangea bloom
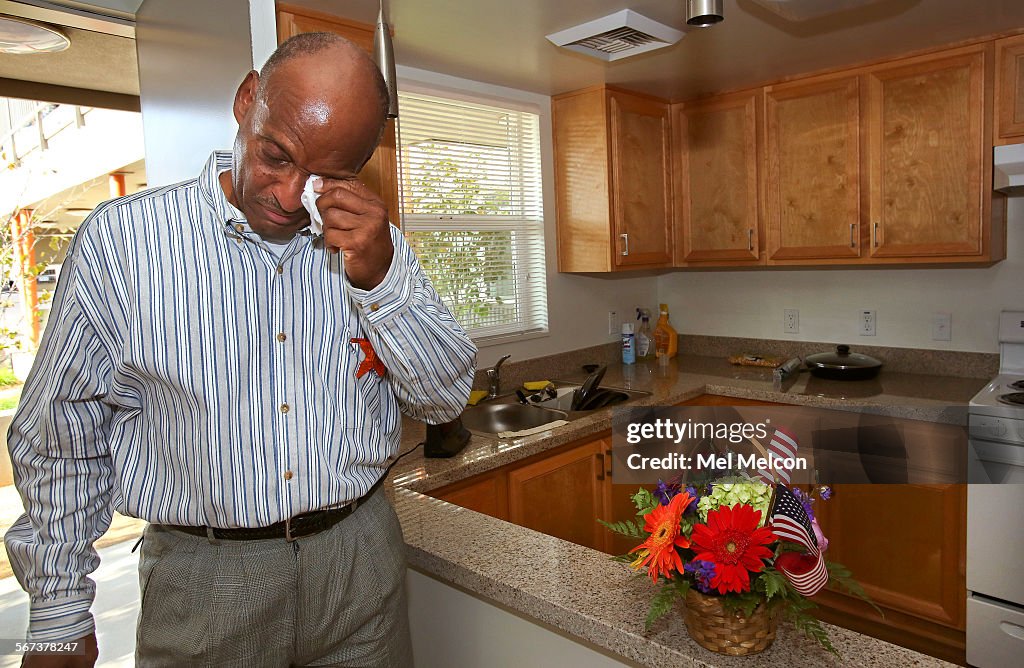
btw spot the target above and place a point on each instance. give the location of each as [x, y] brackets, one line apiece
[730, 494]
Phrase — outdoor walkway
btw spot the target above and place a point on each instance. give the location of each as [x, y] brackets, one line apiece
[116, 608]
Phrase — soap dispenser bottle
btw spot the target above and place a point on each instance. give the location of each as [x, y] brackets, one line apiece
[666, 339]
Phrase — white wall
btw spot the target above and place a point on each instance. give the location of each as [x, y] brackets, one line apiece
[750, 303]
[577, 305]
[192, 56]
[453, 629]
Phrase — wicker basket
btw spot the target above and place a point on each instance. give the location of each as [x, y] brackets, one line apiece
[716, 629]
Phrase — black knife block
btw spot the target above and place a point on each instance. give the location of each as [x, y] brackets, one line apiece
[446, 439]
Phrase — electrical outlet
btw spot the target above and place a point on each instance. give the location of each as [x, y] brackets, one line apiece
[791, 321]
[942, 327]
[867, 323]
[614, 326]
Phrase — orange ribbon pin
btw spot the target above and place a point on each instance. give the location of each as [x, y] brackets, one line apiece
[370, 360]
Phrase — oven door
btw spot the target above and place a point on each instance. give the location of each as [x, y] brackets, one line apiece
[995, 541]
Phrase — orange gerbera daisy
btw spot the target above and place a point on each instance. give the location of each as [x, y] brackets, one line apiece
[659, 552]
[732, 541]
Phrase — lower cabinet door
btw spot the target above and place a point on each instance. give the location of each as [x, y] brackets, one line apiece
[563, 495]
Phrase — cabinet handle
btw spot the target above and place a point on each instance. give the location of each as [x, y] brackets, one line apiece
[600, 468]
[853, 229]
[625, 243]
[750, 239]
[875, 234]
[608, 471]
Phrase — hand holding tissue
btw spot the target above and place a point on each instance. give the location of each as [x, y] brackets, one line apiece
[353, 220]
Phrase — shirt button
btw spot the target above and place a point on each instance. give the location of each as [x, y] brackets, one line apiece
[238, 239]
[374, 306]
[287, 475]
[240, 227]
[280, 269]
[282, 337]
[285, 408]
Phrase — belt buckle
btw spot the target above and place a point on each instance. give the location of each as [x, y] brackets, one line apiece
[288, 537]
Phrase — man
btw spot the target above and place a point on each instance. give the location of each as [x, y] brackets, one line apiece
[211, 366]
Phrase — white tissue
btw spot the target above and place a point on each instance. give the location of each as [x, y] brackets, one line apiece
[309, 197]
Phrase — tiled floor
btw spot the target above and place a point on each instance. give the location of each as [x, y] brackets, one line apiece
[116, 608]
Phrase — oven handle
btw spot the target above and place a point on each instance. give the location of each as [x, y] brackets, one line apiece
[987, 451]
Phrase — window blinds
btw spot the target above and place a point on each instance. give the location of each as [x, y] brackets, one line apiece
[472, 210]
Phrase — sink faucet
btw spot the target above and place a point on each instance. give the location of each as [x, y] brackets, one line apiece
[494, 378]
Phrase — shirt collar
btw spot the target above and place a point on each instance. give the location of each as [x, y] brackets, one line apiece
[213, 193]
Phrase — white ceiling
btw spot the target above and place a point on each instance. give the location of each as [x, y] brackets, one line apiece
[502, 41]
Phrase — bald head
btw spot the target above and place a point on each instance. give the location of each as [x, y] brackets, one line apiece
[329, 53]
[318, 107]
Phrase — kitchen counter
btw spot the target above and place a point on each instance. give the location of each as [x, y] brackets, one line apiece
[580, 591]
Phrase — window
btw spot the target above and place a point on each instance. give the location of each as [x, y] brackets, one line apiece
[472, 210]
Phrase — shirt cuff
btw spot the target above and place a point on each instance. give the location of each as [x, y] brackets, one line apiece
[390, 297]
[60, 620]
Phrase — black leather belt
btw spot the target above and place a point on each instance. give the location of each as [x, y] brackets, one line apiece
[300, 526]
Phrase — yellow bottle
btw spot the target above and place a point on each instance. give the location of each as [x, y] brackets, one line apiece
[666, 339]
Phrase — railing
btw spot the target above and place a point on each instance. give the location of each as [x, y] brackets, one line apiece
[27, 126]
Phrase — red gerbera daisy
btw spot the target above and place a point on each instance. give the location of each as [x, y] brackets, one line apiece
[659, 551]
[732, 541]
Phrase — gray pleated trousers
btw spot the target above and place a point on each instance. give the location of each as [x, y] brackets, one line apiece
[333, 599]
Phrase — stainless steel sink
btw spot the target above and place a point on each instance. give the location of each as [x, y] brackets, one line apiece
[493, 418]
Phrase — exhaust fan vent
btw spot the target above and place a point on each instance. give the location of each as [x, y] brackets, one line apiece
[617, 36]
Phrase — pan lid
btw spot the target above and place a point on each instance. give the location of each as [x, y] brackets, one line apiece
[842, 358]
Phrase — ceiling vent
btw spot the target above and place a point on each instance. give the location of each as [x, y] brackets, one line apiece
[617, 36]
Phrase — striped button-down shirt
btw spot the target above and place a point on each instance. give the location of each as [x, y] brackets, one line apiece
[192, 374]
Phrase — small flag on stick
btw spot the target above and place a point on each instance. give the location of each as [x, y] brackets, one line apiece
[789, 521]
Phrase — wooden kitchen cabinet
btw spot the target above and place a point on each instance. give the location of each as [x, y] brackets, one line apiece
[612, 181]
[560, 492]
[381, 172]
[486, 493]
[1010, 90]
[930, 157]
[564, 495]
[812, 161]
[716, 153]
[906, 544]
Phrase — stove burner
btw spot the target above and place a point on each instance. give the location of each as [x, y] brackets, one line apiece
[1019, 385]
[1013, 399]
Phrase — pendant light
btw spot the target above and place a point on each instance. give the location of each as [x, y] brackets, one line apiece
[704, 13]
[384, 55]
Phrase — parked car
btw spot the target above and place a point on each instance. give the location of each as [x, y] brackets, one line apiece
[49, 275]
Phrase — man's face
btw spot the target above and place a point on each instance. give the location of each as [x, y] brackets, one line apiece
[305, 120]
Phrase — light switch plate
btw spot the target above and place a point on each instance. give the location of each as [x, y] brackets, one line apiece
[942, 327]
[614, 326]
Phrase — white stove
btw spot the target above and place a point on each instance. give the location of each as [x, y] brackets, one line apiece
[995, 525]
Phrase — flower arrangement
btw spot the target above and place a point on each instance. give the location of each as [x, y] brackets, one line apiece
[749, 546]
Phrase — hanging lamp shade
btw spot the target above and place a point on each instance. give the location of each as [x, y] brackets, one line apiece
[384, 55]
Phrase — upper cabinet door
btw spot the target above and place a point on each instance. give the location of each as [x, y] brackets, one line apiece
[1010, 89]
[812, 207]
[380, 173]
[716, 191]
[641, 177]
[927, 147]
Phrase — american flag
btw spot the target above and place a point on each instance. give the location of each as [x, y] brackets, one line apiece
[781, 445]
[790, 523]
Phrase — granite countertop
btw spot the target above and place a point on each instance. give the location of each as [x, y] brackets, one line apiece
[579, 590]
